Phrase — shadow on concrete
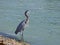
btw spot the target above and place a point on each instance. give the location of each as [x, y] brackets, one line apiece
[9, 36]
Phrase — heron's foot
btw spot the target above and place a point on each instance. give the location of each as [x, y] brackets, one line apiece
[23, 43]
[22, 39]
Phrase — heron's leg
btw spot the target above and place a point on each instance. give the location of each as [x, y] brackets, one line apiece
[22, 39]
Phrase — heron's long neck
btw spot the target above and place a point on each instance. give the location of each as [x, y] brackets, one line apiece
[27, 18]
[26, 15]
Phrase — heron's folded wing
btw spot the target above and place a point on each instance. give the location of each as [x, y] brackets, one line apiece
[20, 27]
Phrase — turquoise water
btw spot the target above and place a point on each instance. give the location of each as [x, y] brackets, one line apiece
[44, 25]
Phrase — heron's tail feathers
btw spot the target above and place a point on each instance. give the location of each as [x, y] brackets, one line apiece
[16, 32]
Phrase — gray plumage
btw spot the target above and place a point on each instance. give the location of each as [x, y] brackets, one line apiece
[23, 23]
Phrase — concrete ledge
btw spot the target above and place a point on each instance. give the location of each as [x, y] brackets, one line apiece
[9, 41]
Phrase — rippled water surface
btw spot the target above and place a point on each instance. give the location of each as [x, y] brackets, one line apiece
[44, 25]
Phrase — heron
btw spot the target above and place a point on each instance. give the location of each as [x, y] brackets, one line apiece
[20, 28]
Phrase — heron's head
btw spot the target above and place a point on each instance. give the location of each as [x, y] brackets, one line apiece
[26, 12]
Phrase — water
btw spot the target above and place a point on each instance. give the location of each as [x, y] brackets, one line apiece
[44, 26]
